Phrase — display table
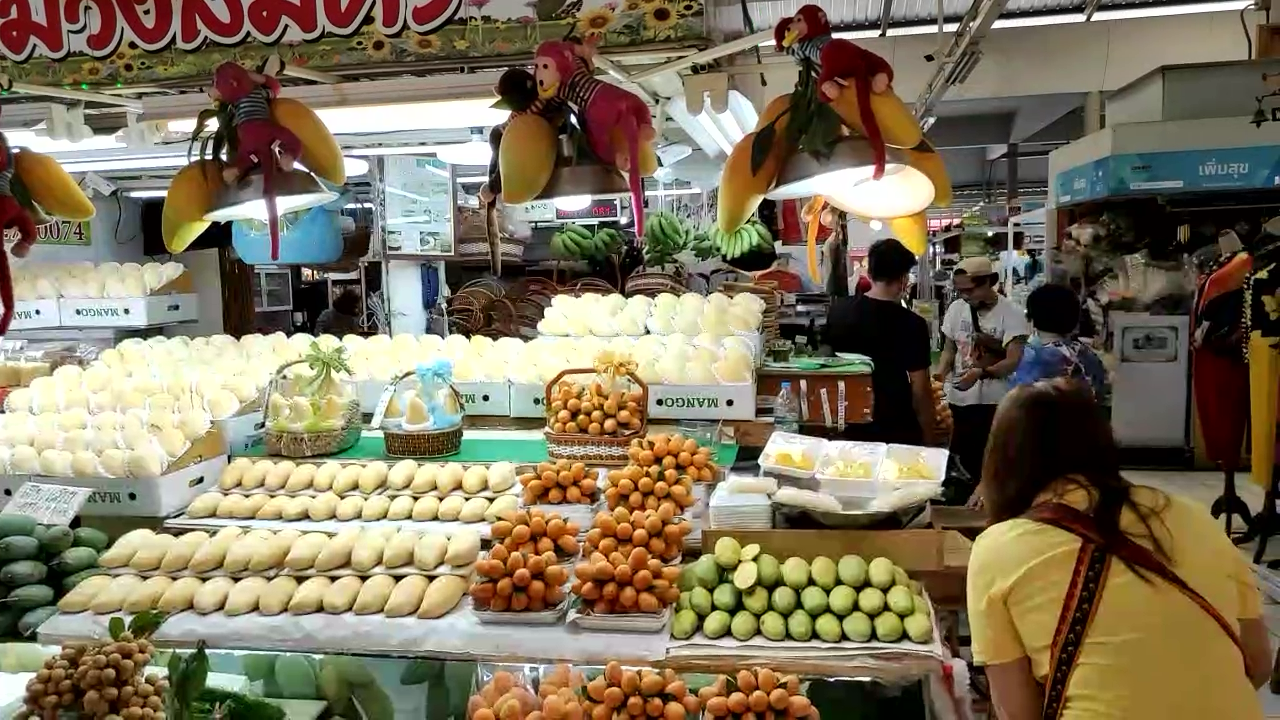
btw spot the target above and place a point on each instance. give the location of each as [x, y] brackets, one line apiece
[478, 446]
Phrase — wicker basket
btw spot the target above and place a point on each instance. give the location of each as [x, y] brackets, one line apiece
[594, 449]
[653, 283]
[287, 443]
[418, 443]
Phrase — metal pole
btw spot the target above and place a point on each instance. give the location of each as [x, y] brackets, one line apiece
[1010, 200]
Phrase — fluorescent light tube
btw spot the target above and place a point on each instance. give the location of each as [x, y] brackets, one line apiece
[444, 115]
[146, 193]
[674, 191]
[1102, 15]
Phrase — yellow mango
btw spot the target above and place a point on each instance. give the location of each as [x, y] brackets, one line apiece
[51, 187]
[321, 153]
[192, 193]
[898, 125]
[526, 157]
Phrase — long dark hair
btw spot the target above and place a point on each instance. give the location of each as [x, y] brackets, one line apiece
[1054, 431]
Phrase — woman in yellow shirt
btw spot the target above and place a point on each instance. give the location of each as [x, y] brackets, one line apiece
[1149, 649]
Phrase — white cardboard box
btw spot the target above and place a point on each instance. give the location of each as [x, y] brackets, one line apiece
[702, 402]
[528, 400]
[35, 314]
[242, 432]
[486, 398]
[128, 312]
[133, 497]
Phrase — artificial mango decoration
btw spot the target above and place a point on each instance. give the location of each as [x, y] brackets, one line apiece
[258, 132]
[33, 189]
[842, 88]
[416, 415]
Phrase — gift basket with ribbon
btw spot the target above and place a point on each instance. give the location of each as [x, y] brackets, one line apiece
[312, 407]
[420, 413]
[593, 413]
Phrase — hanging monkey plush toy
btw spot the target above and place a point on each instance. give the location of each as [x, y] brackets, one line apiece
[260, 141]
[12, 215]
[807, 36]
[617, 122]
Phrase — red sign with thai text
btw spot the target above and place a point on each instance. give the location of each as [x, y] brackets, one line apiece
[98, 28]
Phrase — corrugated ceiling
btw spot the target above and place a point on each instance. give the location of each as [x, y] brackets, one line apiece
[856, 14]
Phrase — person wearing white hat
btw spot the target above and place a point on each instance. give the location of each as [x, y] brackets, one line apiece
[984, 333]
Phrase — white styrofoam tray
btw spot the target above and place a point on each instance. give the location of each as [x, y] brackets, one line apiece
[456, 635]
[810, 448]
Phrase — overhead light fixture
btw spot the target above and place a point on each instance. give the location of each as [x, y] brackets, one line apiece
[571, 203]
[475, 152]
[674, 191]
[294, 190]
[151, 162]
[1121, 13]
[845, 180]
[146, 193]
[444, 115]
[875, 225]
[574, 179]
[355, 167]
[35, 141]
[357, 205]
[715, 132]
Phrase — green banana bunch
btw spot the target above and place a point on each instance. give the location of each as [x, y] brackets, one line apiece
[574, 242]
[748, 238]
[665, 237]
[611, 241]
[702, 246]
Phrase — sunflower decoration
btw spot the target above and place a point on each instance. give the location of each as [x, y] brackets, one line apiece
[688, 8]
[461, 44]
[92, 71]
[632, 6]
[127, 66]
[426, 44]
[379, 48]
[122, 55]
[596, 21]
[360, 43]
[660, 16]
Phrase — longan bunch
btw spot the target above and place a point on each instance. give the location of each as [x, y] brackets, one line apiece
[502, 698]
[518, 581]
[756, 693]
[534, 532]
[622, 531]
[645, 693]
[559, 482]
[619, 584]
[590, 409]
[106, 683]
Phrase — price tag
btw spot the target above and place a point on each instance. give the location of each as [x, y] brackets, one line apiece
[48, 504]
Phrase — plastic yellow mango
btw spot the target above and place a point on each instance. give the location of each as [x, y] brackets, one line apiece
[51, 187]
[526, 158]
[911, 230]
[898, 126]
[740, 190]
[924, 158]
[191, 194]
[321, 153]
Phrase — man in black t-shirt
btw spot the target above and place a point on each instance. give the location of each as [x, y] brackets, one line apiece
[896, 339]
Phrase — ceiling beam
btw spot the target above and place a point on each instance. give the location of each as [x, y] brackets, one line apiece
[971, 131]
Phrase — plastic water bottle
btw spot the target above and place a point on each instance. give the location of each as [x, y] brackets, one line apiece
[786, 411]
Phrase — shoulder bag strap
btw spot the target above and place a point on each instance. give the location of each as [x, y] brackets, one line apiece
[1078, 610]
[1086, 586]
[973, 313]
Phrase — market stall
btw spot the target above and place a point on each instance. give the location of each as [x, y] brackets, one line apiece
[510, 486]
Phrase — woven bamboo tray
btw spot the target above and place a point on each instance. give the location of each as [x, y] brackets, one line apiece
[594, 449]
[419, 443]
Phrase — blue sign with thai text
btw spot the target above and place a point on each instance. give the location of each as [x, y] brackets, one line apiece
[1168, 173]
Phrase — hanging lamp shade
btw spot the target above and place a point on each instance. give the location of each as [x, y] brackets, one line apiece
[845, 180]
[576, 178]
[294, 190]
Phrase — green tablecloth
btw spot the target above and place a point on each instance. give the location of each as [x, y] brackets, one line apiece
[515, 448]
